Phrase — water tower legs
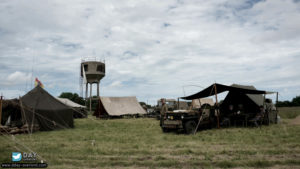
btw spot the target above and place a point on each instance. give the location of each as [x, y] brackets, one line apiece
[86, 90]
[98, 89]
[91, 89]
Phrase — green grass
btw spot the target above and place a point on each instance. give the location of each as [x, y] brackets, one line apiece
[140, 143]
[289, 112]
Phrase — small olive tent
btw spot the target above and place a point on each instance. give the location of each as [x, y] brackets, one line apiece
[39, 107]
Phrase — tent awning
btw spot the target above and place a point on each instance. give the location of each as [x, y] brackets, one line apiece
[210, 91]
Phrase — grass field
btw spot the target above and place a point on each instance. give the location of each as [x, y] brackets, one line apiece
[139, 143]
[289, 112]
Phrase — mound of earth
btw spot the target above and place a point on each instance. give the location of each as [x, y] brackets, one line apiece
[296, 121]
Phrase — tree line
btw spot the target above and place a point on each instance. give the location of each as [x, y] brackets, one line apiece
[77, 99]
[295, 102]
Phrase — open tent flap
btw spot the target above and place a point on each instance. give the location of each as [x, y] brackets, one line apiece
[219, 88]
[11, 109]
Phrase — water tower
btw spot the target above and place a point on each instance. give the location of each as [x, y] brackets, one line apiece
[92, 71]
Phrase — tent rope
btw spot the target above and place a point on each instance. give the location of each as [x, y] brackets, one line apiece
[18, 142]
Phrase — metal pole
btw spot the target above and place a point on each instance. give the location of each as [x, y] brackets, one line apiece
[1, 97]
[91, 85]
[264, 103]
[218, 120]
[276, 108]
[86, 90]
[276, 100]
[98, 84]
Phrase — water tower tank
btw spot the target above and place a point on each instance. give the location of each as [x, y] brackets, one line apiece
[92, 71]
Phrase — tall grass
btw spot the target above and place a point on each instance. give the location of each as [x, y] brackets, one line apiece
[140, 143]
[289, 112]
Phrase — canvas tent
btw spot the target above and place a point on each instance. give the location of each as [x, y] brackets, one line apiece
[219, 88]
[39, 107]
[118, 106]
[248, 96]
[79, 111]
[197, 103]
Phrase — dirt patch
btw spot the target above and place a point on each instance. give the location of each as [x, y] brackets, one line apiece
[295, 121]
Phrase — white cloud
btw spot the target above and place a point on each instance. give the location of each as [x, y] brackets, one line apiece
[16, 78]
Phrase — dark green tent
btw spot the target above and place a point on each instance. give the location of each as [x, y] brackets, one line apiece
[251, 102]
[248, 96]
[39, 107]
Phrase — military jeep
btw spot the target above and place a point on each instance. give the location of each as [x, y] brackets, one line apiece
[187, 120]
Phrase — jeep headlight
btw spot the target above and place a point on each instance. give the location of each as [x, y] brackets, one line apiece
[182, 117]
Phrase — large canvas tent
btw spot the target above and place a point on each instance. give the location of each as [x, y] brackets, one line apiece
[118, 106]
[248, 97]
[219, 88]
[39, 107]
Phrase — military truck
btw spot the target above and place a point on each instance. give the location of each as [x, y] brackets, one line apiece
[187, 120]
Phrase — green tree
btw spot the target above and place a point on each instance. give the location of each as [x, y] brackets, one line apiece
[73, 96]
[144, 104]
[296, 101]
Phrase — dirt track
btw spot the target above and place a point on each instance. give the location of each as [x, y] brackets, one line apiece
[296, 121]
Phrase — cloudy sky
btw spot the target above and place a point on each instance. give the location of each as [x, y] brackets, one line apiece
[152, 48]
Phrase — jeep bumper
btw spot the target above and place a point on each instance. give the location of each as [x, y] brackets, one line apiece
[172, 124]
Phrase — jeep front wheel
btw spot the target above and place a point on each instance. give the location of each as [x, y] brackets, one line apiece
[190, 127]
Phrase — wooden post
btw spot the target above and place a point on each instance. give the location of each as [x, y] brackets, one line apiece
[1, 97]
[218, 120]
[199, 103]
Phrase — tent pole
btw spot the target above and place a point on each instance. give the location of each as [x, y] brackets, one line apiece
[91, 85]
[276, 108]
[199, 103]
[1, 97]
[276, 100]
[218, 120]
[264, 100]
